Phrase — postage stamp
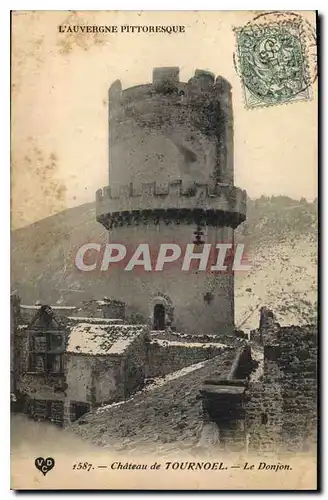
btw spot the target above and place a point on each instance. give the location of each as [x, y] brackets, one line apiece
[273, 62]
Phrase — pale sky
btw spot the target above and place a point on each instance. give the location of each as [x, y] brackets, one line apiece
[59, 105]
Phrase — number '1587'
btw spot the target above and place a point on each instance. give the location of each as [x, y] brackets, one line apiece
[83, 466]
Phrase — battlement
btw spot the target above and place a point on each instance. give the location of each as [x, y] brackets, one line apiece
[166, 82]
[197, 113]
[222, 198]
[173, 188]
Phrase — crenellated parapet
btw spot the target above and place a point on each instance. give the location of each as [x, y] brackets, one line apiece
[166, 85]
[217, 205]
[195, 117]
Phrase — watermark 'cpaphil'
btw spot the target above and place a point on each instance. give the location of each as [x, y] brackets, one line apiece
[213, 258]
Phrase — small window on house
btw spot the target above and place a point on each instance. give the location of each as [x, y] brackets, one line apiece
[39, 363]
[56, 342]
[45, 355]
[40, 344]
[264, 419]
[45, 363]
[55, 363]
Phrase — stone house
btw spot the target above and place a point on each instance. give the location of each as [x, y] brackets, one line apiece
[105, 362]
[66, 366]
[39, 355]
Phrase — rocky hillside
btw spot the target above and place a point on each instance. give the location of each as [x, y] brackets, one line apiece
[280, 235]
[281, 240]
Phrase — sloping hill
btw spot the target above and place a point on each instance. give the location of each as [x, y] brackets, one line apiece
[280, 235]
[43, 257]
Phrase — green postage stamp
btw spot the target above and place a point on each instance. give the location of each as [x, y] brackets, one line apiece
[273, 63]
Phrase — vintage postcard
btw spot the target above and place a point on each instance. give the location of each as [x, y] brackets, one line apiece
[164, 250]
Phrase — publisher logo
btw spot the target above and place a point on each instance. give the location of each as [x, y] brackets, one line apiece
[44, 464]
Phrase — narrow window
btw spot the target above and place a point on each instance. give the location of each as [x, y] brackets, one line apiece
[264, 419]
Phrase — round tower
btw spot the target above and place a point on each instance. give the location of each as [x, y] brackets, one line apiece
[171, 181]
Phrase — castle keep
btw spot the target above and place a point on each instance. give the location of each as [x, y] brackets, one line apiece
[171, 181]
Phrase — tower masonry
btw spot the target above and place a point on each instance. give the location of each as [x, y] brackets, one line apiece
[171, 181]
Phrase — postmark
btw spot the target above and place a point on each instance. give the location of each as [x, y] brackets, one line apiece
[276, 59]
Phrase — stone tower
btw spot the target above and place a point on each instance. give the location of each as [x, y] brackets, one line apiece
[171, 181]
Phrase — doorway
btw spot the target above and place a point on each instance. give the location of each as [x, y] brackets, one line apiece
[159, 317]
[79, 409]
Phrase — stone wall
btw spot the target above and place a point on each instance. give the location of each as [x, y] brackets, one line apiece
[15, 319]
[28, 312]
[264, 410]
[113, 309]
[277, 410]
[134, 366]
[187, 291]
[79, 371]
[170, 413]
[281, 405]
[223, 396]
[169, 129]
[165, 356]
[165, 183]
[298, 362]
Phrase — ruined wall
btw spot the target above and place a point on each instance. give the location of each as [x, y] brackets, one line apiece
[264, 410]
[298, 362]
[281, 405]
[113, 309]
[166, 358]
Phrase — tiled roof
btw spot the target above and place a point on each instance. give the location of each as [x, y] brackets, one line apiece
[99, 321]
[102, 339]
[55, 308]
[205, 345]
